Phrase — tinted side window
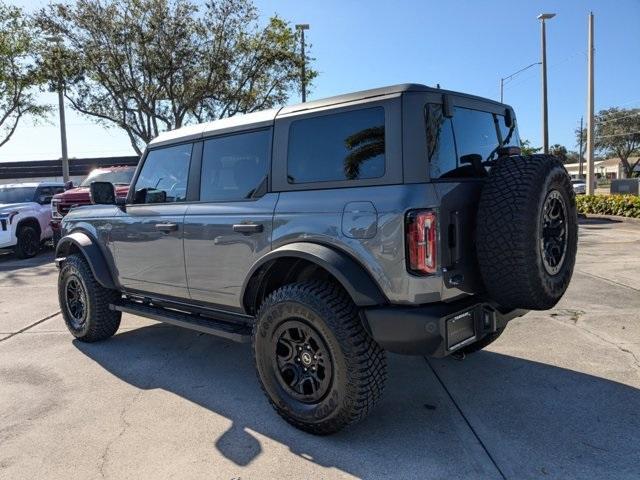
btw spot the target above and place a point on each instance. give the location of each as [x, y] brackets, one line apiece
[44, 194]
[234, 166]
[475, 132]
[164, 175]
[342, 146]
[441, 147]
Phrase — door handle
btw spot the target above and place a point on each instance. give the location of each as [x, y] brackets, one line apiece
[248, 227]
[167, 227]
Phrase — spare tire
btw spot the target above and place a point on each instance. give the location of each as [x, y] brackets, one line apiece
[527, 232]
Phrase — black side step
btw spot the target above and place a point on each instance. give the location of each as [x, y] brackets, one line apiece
[219, 328]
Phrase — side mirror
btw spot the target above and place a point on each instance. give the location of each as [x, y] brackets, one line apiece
[102, 193]
[44, 199]
[68, 185]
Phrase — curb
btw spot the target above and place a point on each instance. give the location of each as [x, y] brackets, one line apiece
[611, 218]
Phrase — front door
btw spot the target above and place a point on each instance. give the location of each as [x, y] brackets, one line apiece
[148, 237]
[230, 227]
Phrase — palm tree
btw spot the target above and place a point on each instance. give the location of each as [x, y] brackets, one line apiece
[363, 145]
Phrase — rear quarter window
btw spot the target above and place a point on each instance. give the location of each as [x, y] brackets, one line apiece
[452, 141]
[341, 146]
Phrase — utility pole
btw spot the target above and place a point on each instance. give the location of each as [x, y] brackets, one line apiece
[506, 79]
[545, 115]
[302, 27]
[63, 123]
[580, 172]
[590, 119]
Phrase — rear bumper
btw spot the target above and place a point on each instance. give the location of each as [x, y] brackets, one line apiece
[437, 329]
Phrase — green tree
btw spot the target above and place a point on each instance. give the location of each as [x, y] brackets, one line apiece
[527, 149]
[617, 133]
[149, 66]
[19, 74]
[559, 151]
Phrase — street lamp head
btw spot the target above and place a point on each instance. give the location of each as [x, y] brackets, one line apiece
[302, 26]
[546, 16]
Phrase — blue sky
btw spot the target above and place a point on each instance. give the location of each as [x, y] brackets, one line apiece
[465, 45]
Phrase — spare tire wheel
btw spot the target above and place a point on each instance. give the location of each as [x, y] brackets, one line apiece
[527, 232]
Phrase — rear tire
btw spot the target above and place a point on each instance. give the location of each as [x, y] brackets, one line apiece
[85, 303]
[318, 367]
[527, 232]
[28, 243]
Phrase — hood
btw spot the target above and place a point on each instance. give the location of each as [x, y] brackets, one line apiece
[82, 193]
[8, 207]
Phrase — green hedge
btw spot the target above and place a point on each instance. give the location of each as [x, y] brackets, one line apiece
[621, 205]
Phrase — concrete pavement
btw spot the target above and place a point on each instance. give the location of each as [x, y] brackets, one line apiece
[557, 396]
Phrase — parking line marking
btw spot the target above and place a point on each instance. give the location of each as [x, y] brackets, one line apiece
[30, 326]
[475, 434]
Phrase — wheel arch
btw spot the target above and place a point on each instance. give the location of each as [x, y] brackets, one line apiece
[30, 222]
[304, 260]
[85, 244]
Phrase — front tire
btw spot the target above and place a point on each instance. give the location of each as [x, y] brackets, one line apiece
[28, 243]
[318, 367]
[85, 303]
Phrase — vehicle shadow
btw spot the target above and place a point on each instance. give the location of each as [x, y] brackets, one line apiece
[8, 260]
[535, 419]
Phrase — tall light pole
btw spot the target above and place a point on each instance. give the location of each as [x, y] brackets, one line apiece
[63, 123]
[302, 27]
[509, 77]
[590, 119]
[545, 115]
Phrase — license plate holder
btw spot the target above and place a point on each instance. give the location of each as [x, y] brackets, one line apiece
[460, 328]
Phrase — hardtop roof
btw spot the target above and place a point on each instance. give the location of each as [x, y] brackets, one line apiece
[266, 117]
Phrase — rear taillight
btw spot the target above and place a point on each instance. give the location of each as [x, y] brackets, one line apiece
[421, 231]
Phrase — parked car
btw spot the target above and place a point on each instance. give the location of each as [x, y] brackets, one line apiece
[399, 219]
[25, 213]
[119, 176]
[579, 186]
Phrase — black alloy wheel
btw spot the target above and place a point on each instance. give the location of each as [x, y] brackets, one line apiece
[76, 301]
[303, 361]
[553, 238]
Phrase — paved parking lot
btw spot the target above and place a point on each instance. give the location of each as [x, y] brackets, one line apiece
[557, 396]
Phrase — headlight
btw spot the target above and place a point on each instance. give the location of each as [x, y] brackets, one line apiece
[54, 208]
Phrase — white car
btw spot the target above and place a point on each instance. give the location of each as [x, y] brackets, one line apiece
[579, 185]
[25, 216]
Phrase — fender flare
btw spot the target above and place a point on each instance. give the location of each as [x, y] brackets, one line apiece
[353, 277]
[92, 254]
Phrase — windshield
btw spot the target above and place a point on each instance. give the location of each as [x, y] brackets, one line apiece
[17, 194]
[118, 177]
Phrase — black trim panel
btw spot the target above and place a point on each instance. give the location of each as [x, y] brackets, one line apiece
[92, 254]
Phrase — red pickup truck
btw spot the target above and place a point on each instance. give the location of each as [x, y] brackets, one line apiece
[74, 197]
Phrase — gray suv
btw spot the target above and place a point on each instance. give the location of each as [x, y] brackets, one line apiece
[399, 219]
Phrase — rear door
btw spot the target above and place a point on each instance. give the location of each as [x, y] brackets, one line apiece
[229, 228]
[460, 149]
[148, 236]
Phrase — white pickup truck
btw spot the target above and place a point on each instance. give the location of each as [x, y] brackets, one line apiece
[25, 216]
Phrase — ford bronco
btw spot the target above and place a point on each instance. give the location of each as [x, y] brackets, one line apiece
[400, 219]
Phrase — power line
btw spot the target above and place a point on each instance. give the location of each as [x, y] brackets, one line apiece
[600, 122]
[619, 134]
